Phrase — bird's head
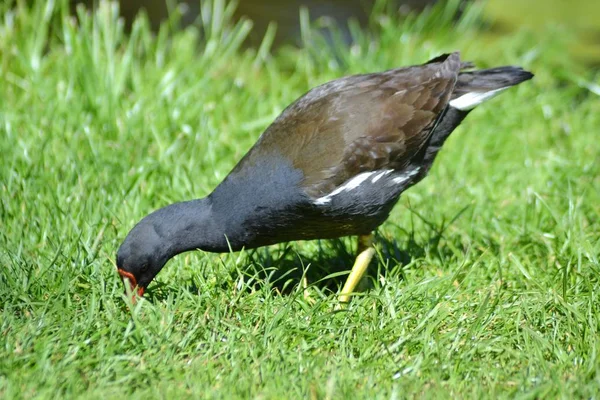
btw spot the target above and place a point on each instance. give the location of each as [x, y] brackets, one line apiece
[162, 234]
[141, 257]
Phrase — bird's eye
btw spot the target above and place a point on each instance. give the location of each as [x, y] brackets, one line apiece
[144, 267]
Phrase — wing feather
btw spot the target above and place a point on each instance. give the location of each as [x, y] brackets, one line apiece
[361, 123]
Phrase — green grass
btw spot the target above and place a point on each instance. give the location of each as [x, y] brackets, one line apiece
[577, 18]
[487, 279]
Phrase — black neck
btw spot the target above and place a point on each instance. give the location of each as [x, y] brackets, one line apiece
[243, 211]
[187, 226]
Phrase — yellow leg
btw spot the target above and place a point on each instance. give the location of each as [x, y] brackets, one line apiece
[365, 254]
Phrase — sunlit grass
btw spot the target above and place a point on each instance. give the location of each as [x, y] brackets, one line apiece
[573, 22]
[487, 278]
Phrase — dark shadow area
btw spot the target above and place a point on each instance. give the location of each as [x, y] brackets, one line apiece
[329, 267]
[285, 268]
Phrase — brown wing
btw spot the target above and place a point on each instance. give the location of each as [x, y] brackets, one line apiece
[361, 123]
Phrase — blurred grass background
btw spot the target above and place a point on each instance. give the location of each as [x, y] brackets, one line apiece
[486, 283]
[578, 17]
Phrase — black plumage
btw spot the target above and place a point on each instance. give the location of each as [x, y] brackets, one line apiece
[333, 164]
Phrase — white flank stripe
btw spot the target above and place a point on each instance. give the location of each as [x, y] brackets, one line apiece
[405, 176]
[470, 100]
[321, 201]
[349, 185]
[355, 182]
[381, 174]
[361, 178]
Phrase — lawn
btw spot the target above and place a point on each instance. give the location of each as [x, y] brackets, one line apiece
[486, 282]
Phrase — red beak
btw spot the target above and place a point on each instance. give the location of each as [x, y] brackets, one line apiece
[132, 281]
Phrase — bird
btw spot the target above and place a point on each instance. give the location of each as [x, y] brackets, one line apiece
[332, 164]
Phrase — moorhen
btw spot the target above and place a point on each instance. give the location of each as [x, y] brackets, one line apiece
[333, 164]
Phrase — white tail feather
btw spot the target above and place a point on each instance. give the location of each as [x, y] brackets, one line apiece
[472, 99]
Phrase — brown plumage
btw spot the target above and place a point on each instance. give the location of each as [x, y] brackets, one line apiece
[328, 135]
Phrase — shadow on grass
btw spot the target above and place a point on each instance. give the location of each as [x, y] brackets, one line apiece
[283, 268]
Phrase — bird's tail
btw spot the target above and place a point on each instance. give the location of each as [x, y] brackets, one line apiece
[474, 87]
